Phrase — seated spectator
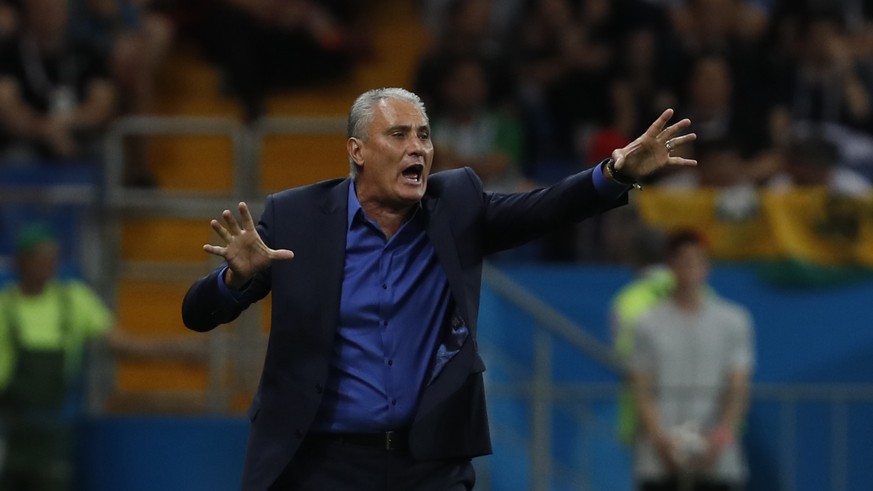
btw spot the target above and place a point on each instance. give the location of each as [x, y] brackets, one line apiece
[9, 19]
[814, 161]
[263, 45]
[494, 20]
[564, 58]
[643, 82]
[717, 114]
[734, 29]
[469, 132]
[465, 28]
[56, 97]
[823, 83]
[135, 40]
[733, 135]
[723, 166]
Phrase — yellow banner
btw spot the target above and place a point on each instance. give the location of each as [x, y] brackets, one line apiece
[806, 224]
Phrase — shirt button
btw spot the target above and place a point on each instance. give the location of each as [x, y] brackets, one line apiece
[319, 388]
[384, 286]
[390, 363]
[394, 402]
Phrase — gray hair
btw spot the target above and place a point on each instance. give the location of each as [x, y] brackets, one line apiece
[363, 112]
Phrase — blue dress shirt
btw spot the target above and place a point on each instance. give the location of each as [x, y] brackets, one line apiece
[395, 299]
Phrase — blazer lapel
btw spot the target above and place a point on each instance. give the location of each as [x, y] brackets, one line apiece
[439, 231]
[455, 372]
[330, 236]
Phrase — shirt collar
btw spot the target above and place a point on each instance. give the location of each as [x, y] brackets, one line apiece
[355, 207]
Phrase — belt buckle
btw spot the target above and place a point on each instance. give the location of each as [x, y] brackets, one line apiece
[389, 440]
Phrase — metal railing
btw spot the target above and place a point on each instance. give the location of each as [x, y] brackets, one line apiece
[236, 353]
[542, 395]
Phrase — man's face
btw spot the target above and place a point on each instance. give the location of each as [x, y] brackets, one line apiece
[396, 156]
[690, 265]
[38, 265]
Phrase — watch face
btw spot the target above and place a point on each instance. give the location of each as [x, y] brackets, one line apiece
[618, 177]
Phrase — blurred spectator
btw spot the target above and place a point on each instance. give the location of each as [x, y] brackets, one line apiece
[822, 82]
[45, 323]
[564, 59]
[732, 144]
[466, 30]
[263, 45]
[642, 85]
[652, 283]
[736, 30]
[717, 115]
[691, 364]
[708, 25]
[56, 96]
[43, 326]
[9, 19]
[814, 161]
[494, 20]
[643, 80]
[723, 164]
[469, 132]
[135, 40]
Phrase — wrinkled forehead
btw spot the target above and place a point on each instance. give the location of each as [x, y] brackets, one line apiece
[397, 112]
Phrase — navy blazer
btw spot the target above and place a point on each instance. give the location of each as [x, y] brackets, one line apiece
[463, 222]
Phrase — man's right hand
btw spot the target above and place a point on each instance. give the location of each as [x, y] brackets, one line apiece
[667, 452]
[244, 251]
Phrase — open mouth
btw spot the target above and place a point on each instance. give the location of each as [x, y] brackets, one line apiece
[413, 173]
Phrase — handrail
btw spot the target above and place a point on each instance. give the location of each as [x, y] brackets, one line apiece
[761, 391]
[55, 194]
[300, 125]
[170, 125]
[551, 320]
[542, 390]
[246, 141]
[543, 393]
[789, 398]
[288, 125]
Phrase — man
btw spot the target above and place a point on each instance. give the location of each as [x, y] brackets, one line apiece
[56, 97]
[372, 378]
[691, 364]
[652, 283]
[45, 323]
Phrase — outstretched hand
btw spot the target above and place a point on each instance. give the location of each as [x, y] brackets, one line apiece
[653, 149]
[244, 251]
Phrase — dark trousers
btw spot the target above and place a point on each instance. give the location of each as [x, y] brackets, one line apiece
[38, 457]
[337, 466]
[673, 484]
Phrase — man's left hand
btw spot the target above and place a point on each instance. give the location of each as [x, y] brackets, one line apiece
[653, 150]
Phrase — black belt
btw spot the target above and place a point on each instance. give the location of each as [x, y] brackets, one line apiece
[396, 440]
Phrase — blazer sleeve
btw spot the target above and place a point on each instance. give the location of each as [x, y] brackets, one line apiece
[207, 306]
[512, 219]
